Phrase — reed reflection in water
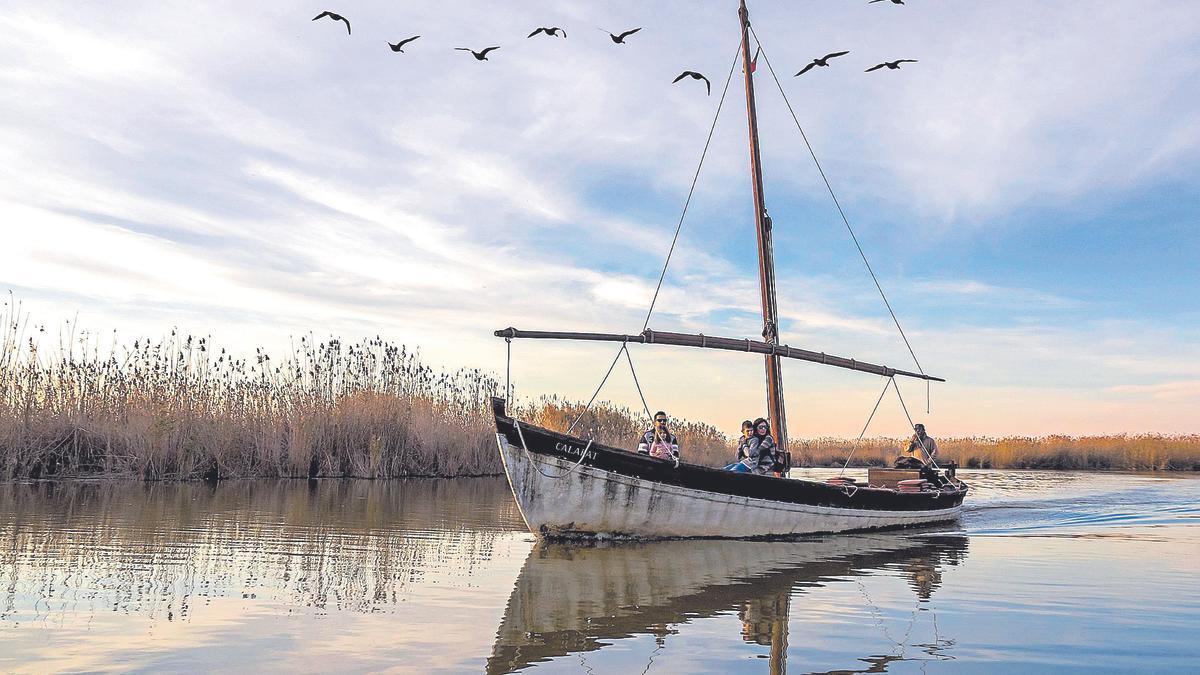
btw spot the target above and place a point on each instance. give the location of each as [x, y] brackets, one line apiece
[145, 574]
[1048, 571]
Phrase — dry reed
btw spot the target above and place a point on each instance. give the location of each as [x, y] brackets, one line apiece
[180, 408]
[1149, 452]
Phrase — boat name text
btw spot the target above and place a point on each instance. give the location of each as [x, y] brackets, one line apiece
[574, 450]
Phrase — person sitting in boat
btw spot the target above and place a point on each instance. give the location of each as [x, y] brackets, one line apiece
[659, 441]
[760, 449]
[740, 465]
[922, 442]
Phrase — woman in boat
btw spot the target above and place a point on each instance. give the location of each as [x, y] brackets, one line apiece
[760, 449]
[741, 466]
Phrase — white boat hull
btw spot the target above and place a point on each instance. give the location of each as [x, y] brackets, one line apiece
[560, 498]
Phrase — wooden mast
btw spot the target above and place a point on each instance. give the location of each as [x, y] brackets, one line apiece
[766, 257]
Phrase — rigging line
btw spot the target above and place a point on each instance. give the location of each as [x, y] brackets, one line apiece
[895, 386]
[639, 386]
[891, 380]
[508, 370]
[597, 392]
[692, 190]
[838, 204]
[905, 407]
[643, 397]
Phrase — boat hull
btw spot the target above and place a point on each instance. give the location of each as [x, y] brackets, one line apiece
[590, 502]
[566, 487]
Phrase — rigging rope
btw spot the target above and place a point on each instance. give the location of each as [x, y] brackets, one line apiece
[637, 384]
[508, 370]
[691, 190]
[639, 387]
[597, 392]
[838, 204]
[890, 382]
[666, 263]
[895, 386]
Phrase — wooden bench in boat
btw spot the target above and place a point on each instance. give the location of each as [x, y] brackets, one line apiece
[890, 478]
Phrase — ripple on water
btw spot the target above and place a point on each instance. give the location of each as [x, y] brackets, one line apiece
[1048, 571]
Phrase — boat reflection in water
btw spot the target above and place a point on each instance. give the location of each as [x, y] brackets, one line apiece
[575, 598]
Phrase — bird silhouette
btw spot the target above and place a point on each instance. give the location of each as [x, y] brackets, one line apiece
[891, 65]
[823, 62]
[894, 2]
[479, 56]
[695, 76]
[399, 46]
[620, 39]
[335, 17]
[549, 32]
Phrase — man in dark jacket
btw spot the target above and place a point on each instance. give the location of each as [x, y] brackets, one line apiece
[659, 441]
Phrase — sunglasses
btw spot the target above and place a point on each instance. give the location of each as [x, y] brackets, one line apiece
[661, 420]
[762, 426]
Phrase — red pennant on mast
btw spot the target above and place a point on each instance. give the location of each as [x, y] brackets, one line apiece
[754, 61]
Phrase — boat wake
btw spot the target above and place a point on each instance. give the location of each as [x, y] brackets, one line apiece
[1139, 502]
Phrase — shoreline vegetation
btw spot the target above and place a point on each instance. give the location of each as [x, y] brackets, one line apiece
[182, 409]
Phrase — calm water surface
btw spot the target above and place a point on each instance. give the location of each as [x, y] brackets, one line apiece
[1047, 572]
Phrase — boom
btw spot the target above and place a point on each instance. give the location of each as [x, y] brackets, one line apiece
[710, 342]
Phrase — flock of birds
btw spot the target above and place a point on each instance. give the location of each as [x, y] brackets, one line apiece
[619, 38]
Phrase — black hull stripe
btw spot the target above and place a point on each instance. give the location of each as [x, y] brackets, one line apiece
[811, 493]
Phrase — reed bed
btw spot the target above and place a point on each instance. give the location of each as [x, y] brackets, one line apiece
[621, 427]
[1148, 452]
[182, 408]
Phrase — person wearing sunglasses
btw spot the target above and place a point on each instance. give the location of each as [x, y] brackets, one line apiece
[760, 449]
[659, 441]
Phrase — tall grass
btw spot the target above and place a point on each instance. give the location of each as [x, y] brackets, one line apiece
[1151, 452]
[182, 408]
[621, 427]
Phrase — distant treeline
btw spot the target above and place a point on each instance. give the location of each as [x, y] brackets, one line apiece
[181, 408]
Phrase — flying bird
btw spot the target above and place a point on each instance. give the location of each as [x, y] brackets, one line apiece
[549, 32]
[399, 46]
[823, 62]
[894, 2]
[695, 76]
[891, 65]
[620, 39]
[479, 56]
[335, 17]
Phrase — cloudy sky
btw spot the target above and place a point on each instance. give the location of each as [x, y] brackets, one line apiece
[1027, 192]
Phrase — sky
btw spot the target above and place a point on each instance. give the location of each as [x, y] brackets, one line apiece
[1027, 193]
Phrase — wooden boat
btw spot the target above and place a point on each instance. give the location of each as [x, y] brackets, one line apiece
[567, 486]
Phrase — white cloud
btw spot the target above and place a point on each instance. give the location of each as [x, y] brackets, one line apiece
[272, 175]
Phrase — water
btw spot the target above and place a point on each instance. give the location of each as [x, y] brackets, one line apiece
[1047, 572]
